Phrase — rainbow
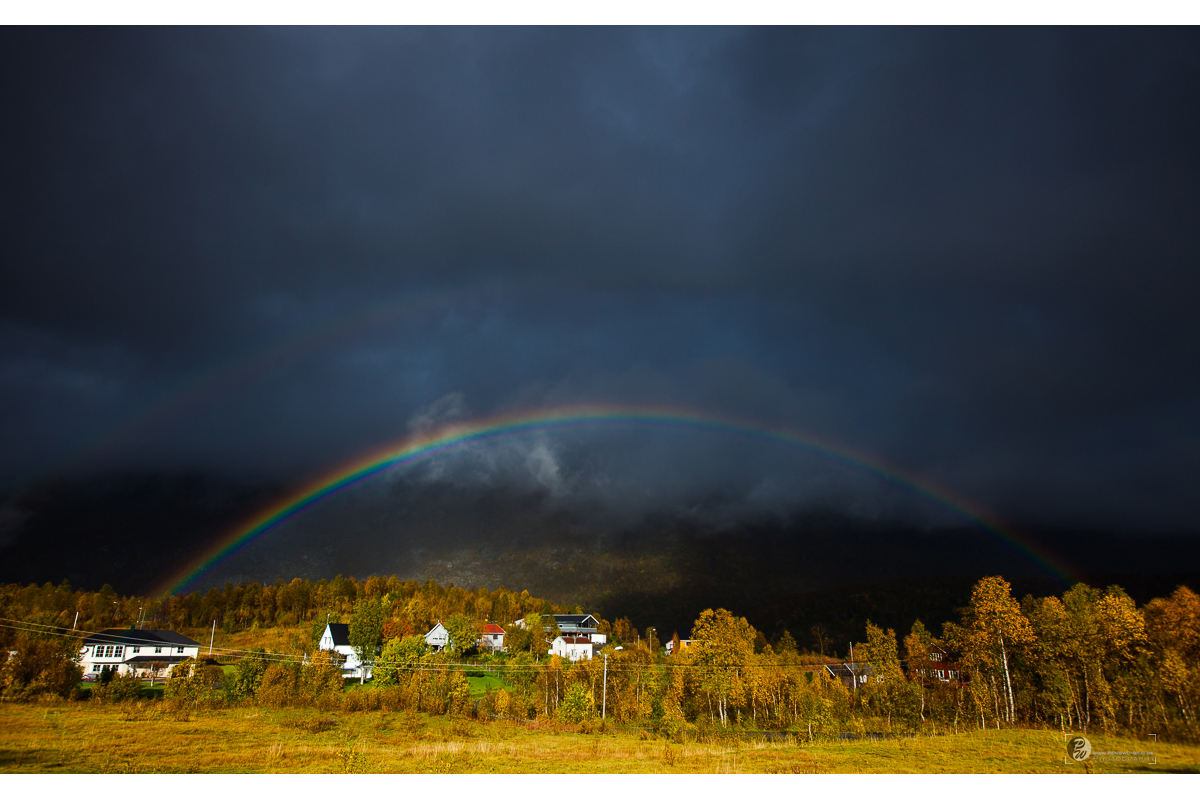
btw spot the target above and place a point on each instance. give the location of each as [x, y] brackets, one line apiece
[422, 447]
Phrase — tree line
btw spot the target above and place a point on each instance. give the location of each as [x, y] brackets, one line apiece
[1087, 659]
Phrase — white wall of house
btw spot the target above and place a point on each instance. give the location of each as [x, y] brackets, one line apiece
[491, 641]
[572, 650]
[438, 638]
[94, 657]
[351, 665]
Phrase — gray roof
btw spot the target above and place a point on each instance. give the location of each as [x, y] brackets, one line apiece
[136, 638]
[171, 637]
[854, 667]
[340, 632]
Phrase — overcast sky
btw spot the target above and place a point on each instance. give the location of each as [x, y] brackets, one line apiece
[256, 253]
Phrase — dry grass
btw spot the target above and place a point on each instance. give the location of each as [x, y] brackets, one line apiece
[289, 639]
[140, 738]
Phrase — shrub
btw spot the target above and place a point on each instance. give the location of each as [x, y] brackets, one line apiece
[361, 700]
[248, 674]
[192, 686]
[40, 666]
[317, 684]
[577, 704]
[677, 730]
[118, 689]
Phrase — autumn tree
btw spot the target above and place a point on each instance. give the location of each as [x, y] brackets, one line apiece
[463, 633]
[918, 647]
[623, 630]
[724, 647]
[42, 664]
[820, 637]
[992, 625]
[366, 632]
[1173, 633]
[398, 658]
[886, 688]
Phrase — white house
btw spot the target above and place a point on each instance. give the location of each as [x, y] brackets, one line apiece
[573, 648]
[573, 625]
[491, 637]
[438, 638]
[134, 651]
[336, 638]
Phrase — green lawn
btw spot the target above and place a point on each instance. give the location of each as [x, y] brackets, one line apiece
[480, 686]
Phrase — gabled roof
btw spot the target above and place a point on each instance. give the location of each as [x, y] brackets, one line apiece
[577, 620]
[854, 667]
[491, 627]
[171, 637]
[340, 632]
[136, 638]
[576, 639]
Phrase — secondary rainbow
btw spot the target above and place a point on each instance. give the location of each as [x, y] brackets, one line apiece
[415, 449]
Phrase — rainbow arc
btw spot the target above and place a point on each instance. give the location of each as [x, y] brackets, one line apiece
[423, 447]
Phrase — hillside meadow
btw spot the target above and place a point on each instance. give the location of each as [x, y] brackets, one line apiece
[149, 737]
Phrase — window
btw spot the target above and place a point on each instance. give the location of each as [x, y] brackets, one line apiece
[119, 651]
[158, 649]
[178, 649]
[135, 649]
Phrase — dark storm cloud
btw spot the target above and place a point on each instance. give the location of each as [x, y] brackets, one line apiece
[969, 252]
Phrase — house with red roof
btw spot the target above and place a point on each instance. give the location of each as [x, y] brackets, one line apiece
[573, 648]
[491, 637]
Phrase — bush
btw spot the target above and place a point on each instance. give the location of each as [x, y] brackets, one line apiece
[361, 700]
[193, 686]
[120, 688]
[677, 730]
[593, 726]
[40, 666]
[317, 684]
[248, 674]
[577, 704]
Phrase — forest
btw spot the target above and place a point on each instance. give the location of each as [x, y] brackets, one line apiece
[1089, 659]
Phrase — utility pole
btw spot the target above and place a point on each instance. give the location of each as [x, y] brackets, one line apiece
[211, 637]
[604, 694]
[853, 672]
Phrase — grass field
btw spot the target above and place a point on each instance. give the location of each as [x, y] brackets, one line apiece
[149, 738]
[481, 685]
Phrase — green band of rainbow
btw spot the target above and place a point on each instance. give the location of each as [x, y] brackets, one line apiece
[413, 450]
